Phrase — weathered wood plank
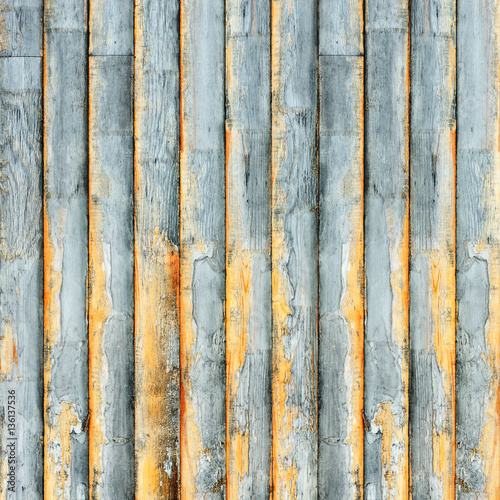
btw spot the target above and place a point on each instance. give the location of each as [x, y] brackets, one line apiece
[386, 249]
[157, 397]
[294, 247]
[340, 27]
[203, 388]
[65, 250]
[111, 28]
[111, 279]
[341, 278]
[248, 286]
[21, 28]
[432, 257]
[478, 251]
[21, 278]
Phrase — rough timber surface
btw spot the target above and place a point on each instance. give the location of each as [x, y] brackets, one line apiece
[386, 250]
[157, 396]
[432, 250]
[111, 279]
[248, 322]
[21, 28]
[478, 251]
[65, 250]
[294, 247]
[341, 281]
[21, 276]
[202, 304]
[250, 249]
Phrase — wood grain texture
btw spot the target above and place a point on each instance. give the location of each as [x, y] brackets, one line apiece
[341, 249]
[203, 387]
[111, 278]
[294, 247]
[157, 383]
[21, 277]
[386, 249]
[478, 251]
[21, 28]
[341, 278]
[432, 257]
[65, 250]
[248, 285]
[340, 28]
[111, 27]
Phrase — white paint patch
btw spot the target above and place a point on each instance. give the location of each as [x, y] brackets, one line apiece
[168, 465]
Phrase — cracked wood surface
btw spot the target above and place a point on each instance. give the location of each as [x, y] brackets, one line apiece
[250, 248]
[386, 367]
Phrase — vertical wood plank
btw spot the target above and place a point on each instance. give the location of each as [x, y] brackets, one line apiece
[203, 401]
[432, 259]
[248, 286]
[478, 251]
[341, 250]
[386, 249]
[111, 250]
[157, 397]
[294, 247]
[111, 280]
[21, 279]
[341, 278]
[21, 28]
[65, 249]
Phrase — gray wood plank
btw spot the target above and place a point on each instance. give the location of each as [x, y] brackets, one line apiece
[111, 278]
[203, 387]
[386, 250]
[111, 27]
[341, 279]
[340, 30]
[21, 28]
[478, 251]
[66, 249]
[248, 286]
[21, 278]
[157, 397]
[432, 259]
[294, 248]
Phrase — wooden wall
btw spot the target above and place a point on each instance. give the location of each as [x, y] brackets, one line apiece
[250, 249]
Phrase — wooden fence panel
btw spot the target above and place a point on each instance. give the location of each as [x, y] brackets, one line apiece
[249, 249]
